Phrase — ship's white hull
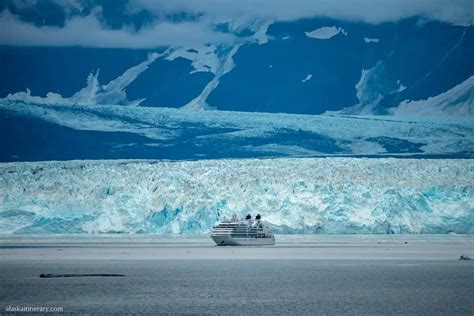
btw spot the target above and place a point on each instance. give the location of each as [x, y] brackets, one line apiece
[227, 240]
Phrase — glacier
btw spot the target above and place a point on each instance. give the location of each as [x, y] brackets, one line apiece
[229, 134]
[297, 195]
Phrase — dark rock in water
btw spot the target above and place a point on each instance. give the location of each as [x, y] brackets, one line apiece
[48, 275]
[463, 257]
[406, 242]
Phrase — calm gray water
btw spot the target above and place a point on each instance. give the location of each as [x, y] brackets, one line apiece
[246, 286]
[351, 275]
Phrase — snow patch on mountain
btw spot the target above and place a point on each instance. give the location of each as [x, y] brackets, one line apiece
[94, 93]
[326, 32]
[203, 59]
[249, 28]
[337, 195]
[373, 85]
[260, 35]
[371, 40]
[225, 65]
[458, 101]
[222, 58]
[213, 58]
[401, 86]
[308, 77]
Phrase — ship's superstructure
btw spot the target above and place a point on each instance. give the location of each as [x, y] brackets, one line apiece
[246, 232]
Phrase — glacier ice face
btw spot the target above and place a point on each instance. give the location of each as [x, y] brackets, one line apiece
[298, 195]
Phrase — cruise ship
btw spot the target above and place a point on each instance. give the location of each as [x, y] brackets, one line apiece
[246, 232]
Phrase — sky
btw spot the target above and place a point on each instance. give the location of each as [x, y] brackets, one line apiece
[147, 24]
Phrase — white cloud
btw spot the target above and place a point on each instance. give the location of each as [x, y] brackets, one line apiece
[238, 14]
[371, 11]
[88, 31]
[23, 4]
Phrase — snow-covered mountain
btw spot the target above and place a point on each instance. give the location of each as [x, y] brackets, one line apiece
[55, 97]
[252, 62]
[458, 101]
[332, 195]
